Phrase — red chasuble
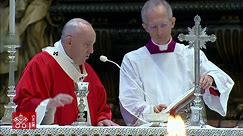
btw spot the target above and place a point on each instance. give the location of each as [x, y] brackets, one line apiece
[43, 78]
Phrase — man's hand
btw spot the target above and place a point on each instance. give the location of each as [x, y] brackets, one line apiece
[159, 108]
[107, 122]
[59, 100]
[205, 82]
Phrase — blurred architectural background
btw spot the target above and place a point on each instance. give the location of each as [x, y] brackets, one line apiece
[119, 30]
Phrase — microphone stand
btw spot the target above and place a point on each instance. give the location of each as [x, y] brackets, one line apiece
[154, 118]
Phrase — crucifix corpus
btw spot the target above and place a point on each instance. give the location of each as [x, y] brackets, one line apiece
[197, 39]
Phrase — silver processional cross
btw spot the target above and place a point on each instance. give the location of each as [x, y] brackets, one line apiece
[197, 38]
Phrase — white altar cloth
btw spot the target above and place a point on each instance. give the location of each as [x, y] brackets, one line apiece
[117, 130]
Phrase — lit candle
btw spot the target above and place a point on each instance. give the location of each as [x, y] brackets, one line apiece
[176, 126]
[12, 16]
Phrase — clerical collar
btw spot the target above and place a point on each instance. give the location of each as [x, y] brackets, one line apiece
[154, 48]
[63, 51]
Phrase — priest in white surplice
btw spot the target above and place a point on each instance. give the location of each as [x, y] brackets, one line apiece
[163, 70]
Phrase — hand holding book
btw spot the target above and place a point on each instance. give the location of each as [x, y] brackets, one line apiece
[161, 111]
[159, 108]
[180, 102]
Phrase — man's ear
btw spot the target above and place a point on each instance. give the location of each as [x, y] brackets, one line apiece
[173, 20]
[68, 40]
[67, 44]
[145, 27]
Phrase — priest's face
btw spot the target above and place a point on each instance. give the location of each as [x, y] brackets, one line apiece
[82, 45]
[158, 24]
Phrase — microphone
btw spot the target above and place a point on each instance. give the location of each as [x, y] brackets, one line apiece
[105, 59]
[152, 116]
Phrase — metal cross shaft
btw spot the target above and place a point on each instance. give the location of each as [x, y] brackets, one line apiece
[197, 38]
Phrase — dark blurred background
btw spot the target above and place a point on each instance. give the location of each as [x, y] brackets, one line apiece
[119, 30]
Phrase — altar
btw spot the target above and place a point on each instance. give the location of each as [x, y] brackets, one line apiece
[116, 131]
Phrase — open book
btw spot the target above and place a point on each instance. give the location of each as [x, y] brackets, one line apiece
[180, 102]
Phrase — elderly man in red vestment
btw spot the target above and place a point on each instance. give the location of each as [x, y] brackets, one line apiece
[47, 85]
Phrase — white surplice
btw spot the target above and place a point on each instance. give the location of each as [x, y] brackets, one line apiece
[163, 77]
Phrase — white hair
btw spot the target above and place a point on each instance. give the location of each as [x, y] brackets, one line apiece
[153, 3]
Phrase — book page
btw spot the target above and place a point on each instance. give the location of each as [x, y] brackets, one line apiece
[181, 101]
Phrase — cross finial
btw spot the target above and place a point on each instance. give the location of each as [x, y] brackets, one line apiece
[197, 35]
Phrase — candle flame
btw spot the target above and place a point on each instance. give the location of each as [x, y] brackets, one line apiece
[176, 126]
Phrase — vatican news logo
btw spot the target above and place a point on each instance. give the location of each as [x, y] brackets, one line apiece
[23, 120]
